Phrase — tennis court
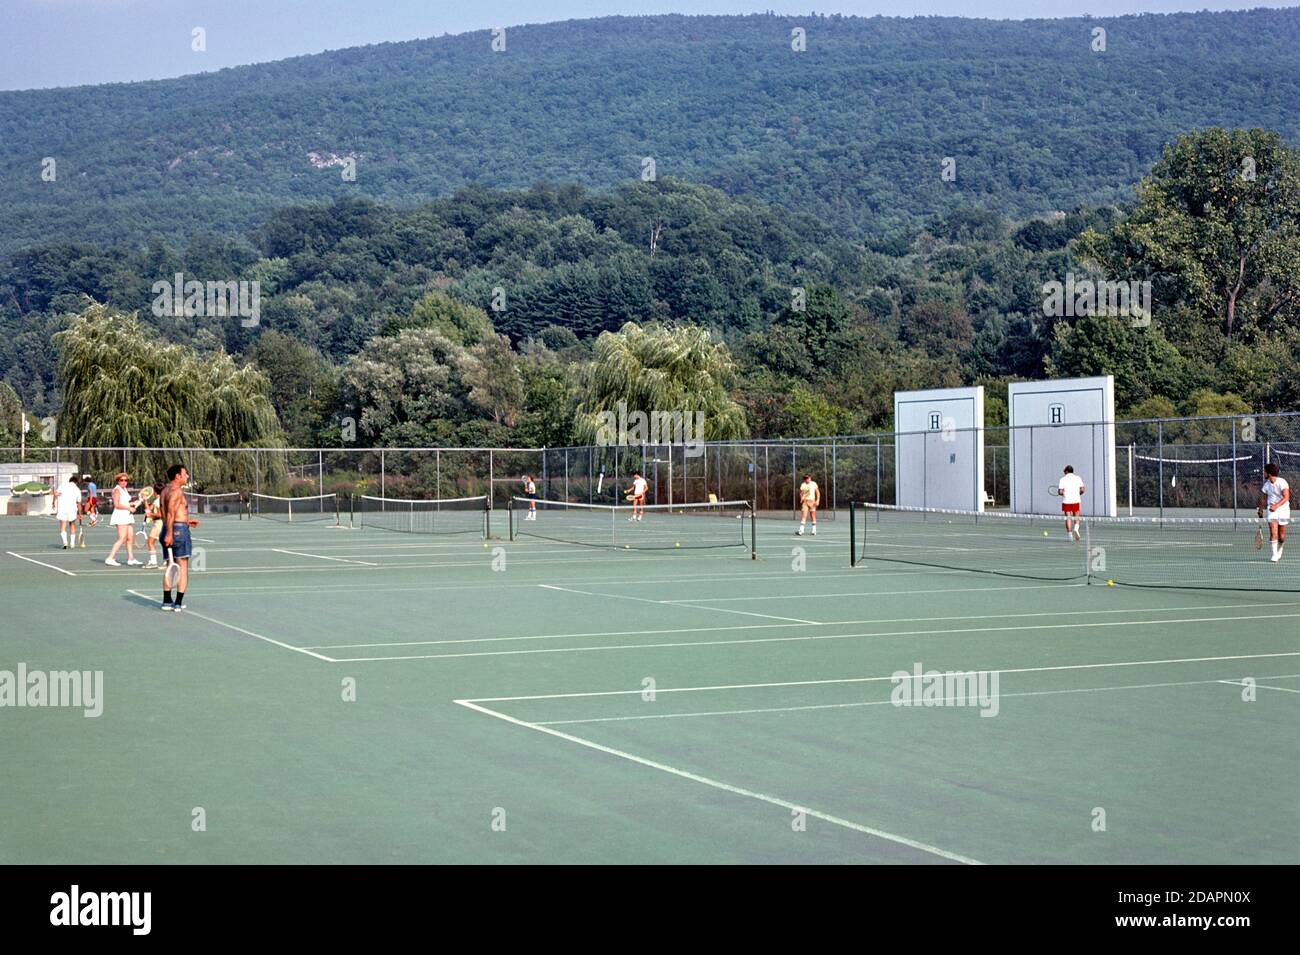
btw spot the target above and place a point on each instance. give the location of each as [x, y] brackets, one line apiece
[661, 699]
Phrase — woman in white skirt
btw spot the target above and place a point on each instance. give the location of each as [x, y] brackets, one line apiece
[123, 521]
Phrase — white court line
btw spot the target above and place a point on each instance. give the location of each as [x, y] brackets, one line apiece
[41, 562]
[875, 593]
[249, 633]
[641, 581]
[727, 787]
[880, 679]
[840, 706]
[818, 636]
[342, 560]
[1262, 686]
[670, 603]
[771, 626]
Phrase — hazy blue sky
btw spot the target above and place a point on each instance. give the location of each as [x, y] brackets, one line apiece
[69, 42]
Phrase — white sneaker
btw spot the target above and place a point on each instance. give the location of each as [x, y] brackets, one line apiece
[134, 563]
[152, 563]
[814, 531]
[111, 562]
[1076, 535]
[799, 532]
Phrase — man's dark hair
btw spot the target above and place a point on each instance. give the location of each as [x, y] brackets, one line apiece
[157, 487]
[1271, 469]
[1069, 469]
[174, 470]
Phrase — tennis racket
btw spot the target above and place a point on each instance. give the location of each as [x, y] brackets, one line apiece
[1053, 490]
[629, 497]
[171, 573]
[1261, 530]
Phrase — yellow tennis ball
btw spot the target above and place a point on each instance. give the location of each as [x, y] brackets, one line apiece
[677, 545]
[627, 546]
[1044, 533]
[1110, 583]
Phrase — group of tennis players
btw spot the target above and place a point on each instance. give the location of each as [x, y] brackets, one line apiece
[166, 518]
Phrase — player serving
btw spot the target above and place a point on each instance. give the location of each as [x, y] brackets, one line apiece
[1275, 504]
[810, 498]
[1071, 489]
[636, 494]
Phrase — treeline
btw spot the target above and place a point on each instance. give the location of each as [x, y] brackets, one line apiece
[476, 319]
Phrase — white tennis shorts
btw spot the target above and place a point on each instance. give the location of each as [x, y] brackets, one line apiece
[1282, 515]
[121, 516]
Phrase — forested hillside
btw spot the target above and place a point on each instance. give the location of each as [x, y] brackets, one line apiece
[853, 131]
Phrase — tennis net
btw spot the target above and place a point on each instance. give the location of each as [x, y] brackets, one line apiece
[215, 504]
[460, 515]
[1216, 553]
[295, 510]
[660, 526]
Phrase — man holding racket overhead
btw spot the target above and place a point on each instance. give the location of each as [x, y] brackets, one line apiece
[176, 538]
[1275, 505]
[1071, 489]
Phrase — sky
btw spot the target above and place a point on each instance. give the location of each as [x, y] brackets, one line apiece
[48, 43]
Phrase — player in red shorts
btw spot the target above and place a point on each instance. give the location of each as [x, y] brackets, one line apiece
[1071, 489]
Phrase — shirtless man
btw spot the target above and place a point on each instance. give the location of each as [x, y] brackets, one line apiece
[176, 538]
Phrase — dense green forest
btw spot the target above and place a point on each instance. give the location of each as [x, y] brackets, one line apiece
[504, 317]
[853, 131]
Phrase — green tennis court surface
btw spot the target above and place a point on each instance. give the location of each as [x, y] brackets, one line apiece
[659, 705]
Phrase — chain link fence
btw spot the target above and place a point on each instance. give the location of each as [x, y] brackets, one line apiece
[1203, 465]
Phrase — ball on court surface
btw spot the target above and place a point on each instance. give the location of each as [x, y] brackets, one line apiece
[627, 546]
[1110, 583]
[1044, 533]
[678, 544]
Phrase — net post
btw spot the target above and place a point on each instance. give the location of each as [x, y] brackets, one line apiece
[853, 534]
[753, 534]
[1087, 551]
[487, 518]
[511, 509]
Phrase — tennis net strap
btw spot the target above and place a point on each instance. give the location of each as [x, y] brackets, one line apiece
[1179, 552]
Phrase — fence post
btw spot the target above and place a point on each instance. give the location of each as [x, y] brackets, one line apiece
[1160, 458]
[878, 501]
[834, 462]
[383, 476]
[1234, 467]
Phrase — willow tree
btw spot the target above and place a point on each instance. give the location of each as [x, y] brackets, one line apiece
[122, 386]
[659, 373]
